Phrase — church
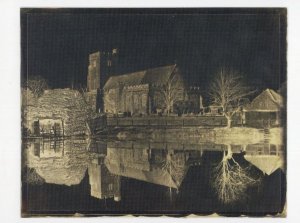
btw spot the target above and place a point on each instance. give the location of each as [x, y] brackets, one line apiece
[154, 90]
[145, 91]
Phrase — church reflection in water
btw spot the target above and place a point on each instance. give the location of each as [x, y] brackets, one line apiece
[107, 162]
[162, 166]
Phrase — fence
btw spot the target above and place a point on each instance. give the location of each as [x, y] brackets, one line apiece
[167, 121]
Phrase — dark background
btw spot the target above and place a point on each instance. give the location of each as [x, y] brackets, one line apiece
[56, 42]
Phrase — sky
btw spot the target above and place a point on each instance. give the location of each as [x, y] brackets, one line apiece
[55, 43]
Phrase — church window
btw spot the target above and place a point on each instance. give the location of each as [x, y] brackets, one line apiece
[144, 100]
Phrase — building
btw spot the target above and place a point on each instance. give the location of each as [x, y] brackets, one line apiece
[48, 127]
[265, 109]
[192, 104]
[57, 112]
[101, 66]
[155, 90]
[144, 92]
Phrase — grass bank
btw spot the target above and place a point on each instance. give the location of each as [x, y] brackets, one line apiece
[219, 135]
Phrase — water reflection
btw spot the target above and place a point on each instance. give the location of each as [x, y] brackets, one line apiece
[58, 162]
[266, 157]
[157, 163]
[231, 179]
[104, 184]
[113, 167]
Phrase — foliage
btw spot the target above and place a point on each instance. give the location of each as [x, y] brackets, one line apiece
[32, 177]
[86, 105]
[37, 85]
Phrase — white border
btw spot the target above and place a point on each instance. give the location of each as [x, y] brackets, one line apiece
[10, 101]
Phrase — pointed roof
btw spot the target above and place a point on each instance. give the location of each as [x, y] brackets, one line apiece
[136, 164]
[266, 163]
[267, 101]
[156, 175]
[156, 76]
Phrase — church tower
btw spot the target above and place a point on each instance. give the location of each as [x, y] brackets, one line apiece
[93, 78]
[101, 66]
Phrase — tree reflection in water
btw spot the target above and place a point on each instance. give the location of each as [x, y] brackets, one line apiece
[174, 167]
[230, 180]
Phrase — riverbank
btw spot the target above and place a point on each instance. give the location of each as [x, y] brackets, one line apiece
[219, 135]
[238, 135]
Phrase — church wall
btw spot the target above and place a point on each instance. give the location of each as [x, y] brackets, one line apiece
[110, 101]
[144, 98]
[136, 99]
[157, 98]
[131, 99]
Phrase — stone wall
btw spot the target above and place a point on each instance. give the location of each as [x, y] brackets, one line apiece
[163, 121]
[65, 104]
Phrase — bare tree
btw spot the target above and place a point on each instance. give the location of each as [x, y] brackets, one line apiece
[171, 93]
[83, 91]
[37, 85]
[230, 180]
[227, 91]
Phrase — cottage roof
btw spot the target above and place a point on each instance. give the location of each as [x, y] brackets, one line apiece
[283, 88]
[267, 101]
[266, 163]
[156, 76]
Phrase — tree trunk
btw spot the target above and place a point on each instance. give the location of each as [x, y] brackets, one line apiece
[168, 110]
[229, 121]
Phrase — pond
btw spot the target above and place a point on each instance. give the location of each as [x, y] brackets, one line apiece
[115, 177]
